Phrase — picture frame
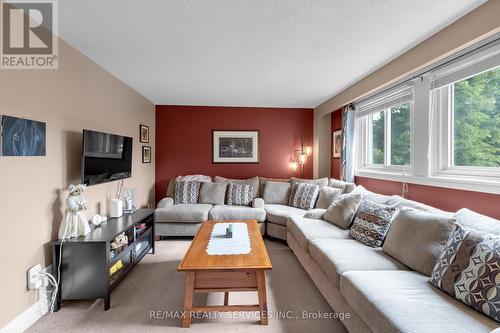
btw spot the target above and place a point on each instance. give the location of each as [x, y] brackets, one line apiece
[337, 144]
[235, 146]
[146, 154]
[143, 133]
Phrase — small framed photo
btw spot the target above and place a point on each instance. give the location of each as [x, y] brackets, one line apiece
[146, 154]
[337, 144]
[235, 146]
[143, 133]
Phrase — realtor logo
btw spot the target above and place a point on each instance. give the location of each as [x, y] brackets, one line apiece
[29, 34]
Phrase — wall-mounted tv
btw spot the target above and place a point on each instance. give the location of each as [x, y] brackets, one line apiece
[106, 157]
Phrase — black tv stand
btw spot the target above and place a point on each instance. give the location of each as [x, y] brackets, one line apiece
[86, 261]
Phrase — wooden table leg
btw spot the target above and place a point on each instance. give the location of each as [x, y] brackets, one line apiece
[261, 286]
[226, 298]
[188, 299]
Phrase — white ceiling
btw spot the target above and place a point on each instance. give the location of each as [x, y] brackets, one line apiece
[280, 53]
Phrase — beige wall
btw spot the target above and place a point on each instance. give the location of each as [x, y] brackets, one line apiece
[78, 95]
[477, 25]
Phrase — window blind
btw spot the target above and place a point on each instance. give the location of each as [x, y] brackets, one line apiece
[484, 59]
[385, 100]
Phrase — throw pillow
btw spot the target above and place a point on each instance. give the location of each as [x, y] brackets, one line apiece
[186, 192]
[471, 219]
[304, 196]
[468, 269]
[239, 194]
[264, 180]
[371, 223]
[254, 182]
[326, 196]
[417, 238]
[344, 186]
[212, 193]
[319, 182]
[276, 192]
[341, 212]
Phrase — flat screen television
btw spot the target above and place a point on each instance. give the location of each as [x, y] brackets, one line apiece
[106, 157]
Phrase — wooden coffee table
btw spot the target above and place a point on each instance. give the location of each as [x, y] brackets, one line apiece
[225, 273]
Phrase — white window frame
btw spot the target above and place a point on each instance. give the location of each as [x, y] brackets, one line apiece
[442, 154]
[365, 155]
[431, 152]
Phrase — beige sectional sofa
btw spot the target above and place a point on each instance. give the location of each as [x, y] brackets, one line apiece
[185, 219]
[381, 293]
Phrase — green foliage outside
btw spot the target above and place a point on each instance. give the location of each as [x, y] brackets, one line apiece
[400, 135]
[477, 120]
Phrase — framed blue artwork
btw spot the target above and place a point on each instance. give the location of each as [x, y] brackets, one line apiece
[23, 137]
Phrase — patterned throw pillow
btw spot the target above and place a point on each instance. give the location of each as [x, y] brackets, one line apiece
[371, 223]
[186, 192]
[239, 194]
[304, 195]
[469, 270]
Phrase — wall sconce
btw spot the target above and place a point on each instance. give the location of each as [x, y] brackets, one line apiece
[304, 152]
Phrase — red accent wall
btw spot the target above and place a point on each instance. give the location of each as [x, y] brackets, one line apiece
[184, 141]
[439, 197]
[336, 125]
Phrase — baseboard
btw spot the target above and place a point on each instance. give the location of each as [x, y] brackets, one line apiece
[26, 319]
[22, 322]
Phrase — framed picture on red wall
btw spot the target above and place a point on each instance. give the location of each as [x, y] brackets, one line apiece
[235, 146]
[337, 144]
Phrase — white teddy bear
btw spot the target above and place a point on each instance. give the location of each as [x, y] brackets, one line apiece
[75, 222]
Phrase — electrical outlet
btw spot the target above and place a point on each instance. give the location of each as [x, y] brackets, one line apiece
[34, 280]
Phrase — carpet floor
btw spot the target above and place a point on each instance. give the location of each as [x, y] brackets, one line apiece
[150, 299]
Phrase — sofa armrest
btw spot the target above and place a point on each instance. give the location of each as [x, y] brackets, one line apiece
[165, 202]
[258, 203]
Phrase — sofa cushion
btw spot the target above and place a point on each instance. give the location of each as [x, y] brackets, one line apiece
[304, 230]
[342, 211]
[336, 256]
[371, 223]
[316, 213]
[212, 193]
[229, 212]
[304, 196]
[320, 181]
[186, 192]
[468, 269]
[279, 213]
[327, 195]
[403, 301]
[183, 213]
[264, 180]
[344, 186]
[239, 194]
[477, 221]
[276, 192]
[254, 182]
[417, 238]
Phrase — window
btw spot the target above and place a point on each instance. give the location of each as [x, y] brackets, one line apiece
[441, 128]
[476, 120]
[385, 126]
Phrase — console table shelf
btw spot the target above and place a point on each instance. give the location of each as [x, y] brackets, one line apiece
[86, 261]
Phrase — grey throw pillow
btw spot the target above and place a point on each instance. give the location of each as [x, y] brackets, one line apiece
[341, 212]
[264, 180]
[304, 196]
[417, 238]
[254, 182]
[315, 214]
[212, 193]
[186, 192]
[471, 219]
[344, 186]
[239, 194]
[276, 192]
[326, 196]
[371, 223]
